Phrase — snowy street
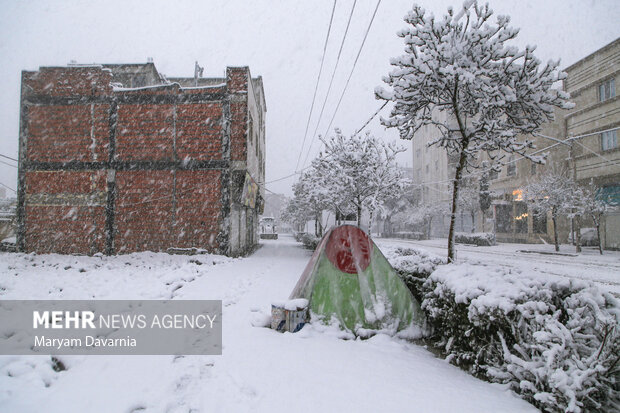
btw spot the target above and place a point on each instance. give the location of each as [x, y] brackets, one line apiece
[603, 270]
[260, 370]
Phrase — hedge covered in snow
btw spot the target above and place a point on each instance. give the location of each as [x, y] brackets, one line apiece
[413, 266]
[554, 341]
[482, 239]
[310, 241]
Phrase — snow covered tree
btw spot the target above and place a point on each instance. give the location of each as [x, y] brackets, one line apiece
[309, 202]
[396, 205]
[360, 171]
[423, 214]
[588, 204]
[295, 214]
[553, 193]
[462, 66]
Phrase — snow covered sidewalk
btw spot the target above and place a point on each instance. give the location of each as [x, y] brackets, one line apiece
[260, 370]
[589, 265]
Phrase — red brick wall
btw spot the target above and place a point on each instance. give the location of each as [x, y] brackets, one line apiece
[238, 131]
[71, 182]
[237, 82]
[146, 215]
[199, 131]
[65, 229]
[145, 132]
[62, 81]
[143, 211]
[198, 208]
[69, 228]
[68, 133]
[237, 79]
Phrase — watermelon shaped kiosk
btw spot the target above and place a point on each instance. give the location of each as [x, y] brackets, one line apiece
[349, 279]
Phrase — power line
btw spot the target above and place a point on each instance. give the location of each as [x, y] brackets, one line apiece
[371, 118]
[359, 52]
[6, 163]
[592, 133]
[330, 82]
[309, 166]
[8, 187]
[8, 157]
[316, 87]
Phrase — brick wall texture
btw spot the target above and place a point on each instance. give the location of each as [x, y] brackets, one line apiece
[124, 171]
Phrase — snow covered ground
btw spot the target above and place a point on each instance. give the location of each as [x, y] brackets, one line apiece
[260, 370]
[603, 270]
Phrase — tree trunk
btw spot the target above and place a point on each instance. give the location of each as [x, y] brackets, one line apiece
[359, 215]
[597, 223]
[428, 227]
[459, 169]
[473, 222]
[316, 227]
[455, 197]
[555, 232]
[578, 234]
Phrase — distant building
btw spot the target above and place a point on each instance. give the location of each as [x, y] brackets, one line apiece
[433, 172]
[117, 158]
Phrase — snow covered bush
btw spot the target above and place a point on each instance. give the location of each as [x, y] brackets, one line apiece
[554, 341]
[413, 266]
[477, 238]
[310, 241]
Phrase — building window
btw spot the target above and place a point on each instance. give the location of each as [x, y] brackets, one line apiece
[436, 165]
[427, 169]
[609, 140]
[607, 89]
[532, 168]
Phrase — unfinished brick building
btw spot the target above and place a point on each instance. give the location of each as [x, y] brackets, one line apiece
[117, 159]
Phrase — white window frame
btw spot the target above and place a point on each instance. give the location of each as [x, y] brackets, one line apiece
[607, 90]
[609, 140]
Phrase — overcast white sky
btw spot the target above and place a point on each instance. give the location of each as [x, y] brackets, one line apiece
[281, 40]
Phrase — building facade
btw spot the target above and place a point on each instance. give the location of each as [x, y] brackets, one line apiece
[593, 124]
[117, 159]
[589, 154]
